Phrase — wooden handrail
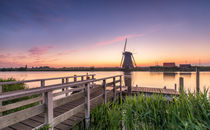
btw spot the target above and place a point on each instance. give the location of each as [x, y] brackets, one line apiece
[36, 80]
[33, 91]
[111, 77]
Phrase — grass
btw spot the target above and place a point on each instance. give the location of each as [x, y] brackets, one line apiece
[188, 111]
[15, 87]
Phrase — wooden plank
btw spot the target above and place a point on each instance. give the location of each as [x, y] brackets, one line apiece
[20, 116]
[20, 126]
[62, 126]
[70, 98]
[7, 128]
[19, 104]
[154, 90]
[38, 119]
[73, 97]
[31, 123]
[96, 98]
[68, 122]
[68, 114]
[67, 91]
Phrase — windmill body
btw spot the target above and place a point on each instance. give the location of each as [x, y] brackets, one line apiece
[127, 61]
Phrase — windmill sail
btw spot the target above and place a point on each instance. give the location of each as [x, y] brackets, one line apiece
[125, 45]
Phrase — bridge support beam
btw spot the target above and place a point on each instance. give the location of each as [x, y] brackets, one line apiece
[181, 84]
[87, 106]
[120, 86]
[49, 109]
[104, 91]
[197, 80]
[1, 90]
[114, 89]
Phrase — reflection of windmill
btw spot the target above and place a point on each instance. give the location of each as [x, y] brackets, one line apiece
[127, 61]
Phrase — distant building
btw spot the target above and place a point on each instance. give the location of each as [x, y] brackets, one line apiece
[185, 66]
[169, 65]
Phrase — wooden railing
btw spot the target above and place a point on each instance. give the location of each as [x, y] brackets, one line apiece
[47, 97]
[43, 81]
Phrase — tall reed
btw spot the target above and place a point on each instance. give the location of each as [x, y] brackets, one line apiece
[187, 111]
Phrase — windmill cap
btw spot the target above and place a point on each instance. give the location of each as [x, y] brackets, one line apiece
[127, 53]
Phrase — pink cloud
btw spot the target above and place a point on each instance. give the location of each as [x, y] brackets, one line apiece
[103, 43]
[68, 52]
[38, 51]
[117, 39]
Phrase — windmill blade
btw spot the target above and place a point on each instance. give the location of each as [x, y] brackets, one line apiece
[121, 61]
[133, 60]
[125, 45]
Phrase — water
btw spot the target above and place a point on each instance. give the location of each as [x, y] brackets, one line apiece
[141, 79]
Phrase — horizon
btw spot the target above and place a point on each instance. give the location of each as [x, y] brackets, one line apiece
[92, 33]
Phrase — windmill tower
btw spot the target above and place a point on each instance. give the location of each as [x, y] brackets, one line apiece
[127, 61]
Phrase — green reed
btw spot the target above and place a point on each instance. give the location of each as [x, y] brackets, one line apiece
[187, 111]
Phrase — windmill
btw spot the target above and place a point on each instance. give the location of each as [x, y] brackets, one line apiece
[127, 61]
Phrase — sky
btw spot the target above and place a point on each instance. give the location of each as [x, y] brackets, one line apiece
[68, 33]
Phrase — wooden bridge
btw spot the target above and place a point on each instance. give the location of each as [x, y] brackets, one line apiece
[65, 104]
[76, 100]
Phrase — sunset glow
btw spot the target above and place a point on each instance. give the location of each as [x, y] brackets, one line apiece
[92, 33]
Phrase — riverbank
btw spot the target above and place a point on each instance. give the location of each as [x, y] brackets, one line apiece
[150, 69]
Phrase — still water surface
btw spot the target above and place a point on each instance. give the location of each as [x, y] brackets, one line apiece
[140, 79]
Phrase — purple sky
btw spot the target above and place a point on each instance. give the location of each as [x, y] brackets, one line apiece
[67, 33]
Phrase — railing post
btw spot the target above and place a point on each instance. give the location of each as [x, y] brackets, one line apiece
[93, 76]
[63, 81]
[114, 89]
[82, 78]
[49, 108]
[42, 85]
[1, 91]
[87, 77]
[197, 80]
[181, 84]
[175, 87]
[67, 81]
[104, 91]
[87, 105]
[120, 86]
[75, 78]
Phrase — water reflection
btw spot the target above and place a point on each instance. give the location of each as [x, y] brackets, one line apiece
[186, 74]
[128, 80]
[142, 79]
[169, 75]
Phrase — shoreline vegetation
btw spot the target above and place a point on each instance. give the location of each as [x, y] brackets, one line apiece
[188, 111]
[15, 87]
[150, 69]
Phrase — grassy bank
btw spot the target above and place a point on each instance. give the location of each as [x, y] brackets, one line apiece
[15, 87]
[188, 111]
